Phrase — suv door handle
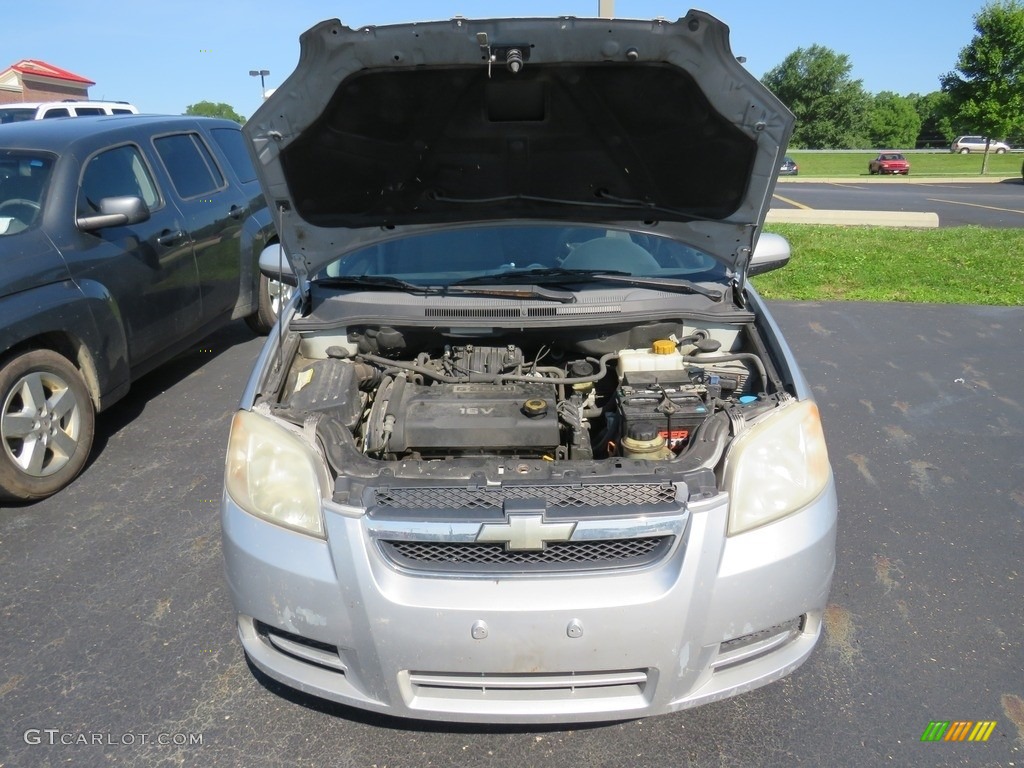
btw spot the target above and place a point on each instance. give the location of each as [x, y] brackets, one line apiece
[238, 212]
[167, 237]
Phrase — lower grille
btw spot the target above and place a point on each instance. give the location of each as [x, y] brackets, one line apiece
[493, 689]
[567, 555]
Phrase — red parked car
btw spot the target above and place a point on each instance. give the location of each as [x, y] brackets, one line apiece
[889, 162]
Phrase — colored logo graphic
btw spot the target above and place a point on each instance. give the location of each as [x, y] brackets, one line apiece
[958, 730]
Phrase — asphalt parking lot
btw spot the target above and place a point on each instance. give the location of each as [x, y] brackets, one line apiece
[974, 201]
[118, 634]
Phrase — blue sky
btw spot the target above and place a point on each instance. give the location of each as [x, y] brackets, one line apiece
[165, 55]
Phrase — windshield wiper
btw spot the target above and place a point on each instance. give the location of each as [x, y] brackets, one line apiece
[377, 281]
[533, 292]
[560, 275]
[540, 276]
[670, 284]
[395, 284]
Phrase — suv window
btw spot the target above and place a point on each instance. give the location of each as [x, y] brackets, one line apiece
[189, 163]
[16, 114]
[59, 112]
[113, 173]
[23, 180]
[232, 143]
[85, 111]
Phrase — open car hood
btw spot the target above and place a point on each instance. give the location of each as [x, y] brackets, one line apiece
[385, 130]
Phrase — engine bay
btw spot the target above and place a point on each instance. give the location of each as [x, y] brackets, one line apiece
[648, 392]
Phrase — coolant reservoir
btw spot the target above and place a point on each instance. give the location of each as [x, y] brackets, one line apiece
[662, 355]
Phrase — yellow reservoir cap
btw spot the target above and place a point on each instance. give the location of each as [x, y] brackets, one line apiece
[663, 347]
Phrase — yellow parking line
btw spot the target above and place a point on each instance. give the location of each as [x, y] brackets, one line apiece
[794, 203]
[974, 205]
[845, 186]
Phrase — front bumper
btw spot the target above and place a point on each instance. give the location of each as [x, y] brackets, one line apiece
[717, 616]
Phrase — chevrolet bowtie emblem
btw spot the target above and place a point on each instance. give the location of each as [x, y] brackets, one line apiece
[524, 532]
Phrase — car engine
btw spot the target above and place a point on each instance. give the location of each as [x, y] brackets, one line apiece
[536, 399]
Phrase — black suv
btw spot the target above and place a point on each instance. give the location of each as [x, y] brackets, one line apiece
[123, 241]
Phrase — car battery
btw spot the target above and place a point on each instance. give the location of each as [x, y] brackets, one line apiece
[672, 413]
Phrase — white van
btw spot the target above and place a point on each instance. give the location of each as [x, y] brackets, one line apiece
[966, 144]
[15, 113]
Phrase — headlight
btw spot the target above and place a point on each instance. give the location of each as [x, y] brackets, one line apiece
[272, 474]
[776, 468]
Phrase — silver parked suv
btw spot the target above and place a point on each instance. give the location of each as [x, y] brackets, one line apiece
[967, 144]
[527, 446]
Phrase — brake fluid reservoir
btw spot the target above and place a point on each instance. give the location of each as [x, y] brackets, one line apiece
[662, 355]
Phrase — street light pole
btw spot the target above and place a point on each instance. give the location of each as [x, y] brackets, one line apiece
[261, 73]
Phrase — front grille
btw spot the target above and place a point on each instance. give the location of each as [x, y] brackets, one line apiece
[562, 555]
[556, 496]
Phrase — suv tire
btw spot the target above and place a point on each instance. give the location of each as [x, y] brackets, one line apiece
[47, 423]
[274, 296]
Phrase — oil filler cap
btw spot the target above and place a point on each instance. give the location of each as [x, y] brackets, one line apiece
[663, 347]
[535, 407]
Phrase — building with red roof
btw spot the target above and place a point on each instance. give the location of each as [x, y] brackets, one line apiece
[33, 80]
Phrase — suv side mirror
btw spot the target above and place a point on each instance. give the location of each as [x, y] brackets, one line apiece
[771, 252]
[115, 212]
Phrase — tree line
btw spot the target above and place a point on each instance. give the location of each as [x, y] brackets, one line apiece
[983, 95]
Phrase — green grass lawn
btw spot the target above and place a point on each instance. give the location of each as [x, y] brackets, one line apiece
[924, 164]
[957, 265]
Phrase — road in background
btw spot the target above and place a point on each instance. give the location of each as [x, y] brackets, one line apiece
[986, 204]
[118, 630]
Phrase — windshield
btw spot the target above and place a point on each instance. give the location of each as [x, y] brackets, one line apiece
[504, 251]
[23, 180]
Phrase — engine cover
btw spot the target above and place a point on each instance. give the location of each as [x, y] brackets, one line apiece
[471, 417]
